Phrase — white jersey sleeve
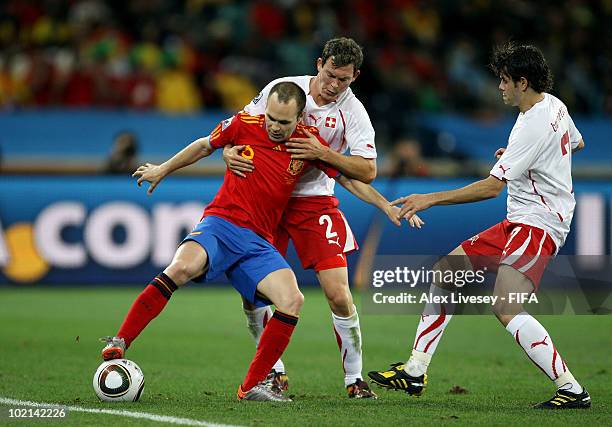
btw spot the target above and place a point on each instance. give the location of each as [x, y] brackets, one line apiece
[574, 133]
[360, 132]
[524, 146]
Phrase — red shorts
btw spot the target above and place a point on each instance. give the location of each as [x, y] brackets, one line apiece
[523, 247]
[320, 233]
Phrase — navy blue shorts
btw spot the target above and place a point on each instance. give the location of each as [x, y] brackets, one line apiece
[244, 256]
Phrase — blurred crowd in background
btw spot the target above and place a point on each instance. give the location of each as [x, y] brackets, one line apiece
[188, 56]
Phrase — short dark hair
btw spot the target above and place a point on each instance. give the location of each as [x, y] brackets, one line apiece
[343, 51]
[286, 91]
[519, 61]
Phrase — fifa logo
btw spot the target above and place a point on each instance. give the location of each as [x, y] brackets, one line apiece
[295, 167]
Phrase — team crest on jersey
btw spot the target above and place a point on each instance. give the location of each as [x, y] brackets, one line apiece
[247, 152]
[225, 123]
[257, 98]
[295, 167]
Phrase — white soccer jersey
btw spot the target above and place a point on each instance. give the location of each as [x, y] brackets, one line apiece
[537, 167]
[344, 124]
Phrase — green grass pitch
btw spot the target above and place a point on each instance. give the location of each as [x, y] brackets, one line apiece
[196, 352]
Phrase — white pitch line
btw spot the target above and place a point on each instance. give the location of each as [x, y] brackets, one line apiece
[122, 413]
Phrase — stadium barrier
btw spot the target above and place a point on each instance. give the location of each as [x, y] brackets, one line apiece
[105, 230]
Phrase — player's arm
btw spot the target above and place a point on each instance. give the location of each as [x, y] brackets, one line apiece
[356, 167]
[484, 189]
[310, 148]
[154, 174]
[370, 195]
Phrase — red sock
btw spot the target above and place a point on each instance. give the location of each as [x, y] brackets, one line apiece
[272, 344]
[146, 307]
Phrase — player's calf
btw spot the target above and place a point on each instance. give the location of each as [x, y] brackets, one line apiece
[149, 303]
[274, 340]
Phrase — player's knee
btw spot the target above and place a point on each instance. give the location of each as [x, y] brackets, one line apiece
[181, 272]
[297, 301]
[340, 301]
[440, 265]
[291, 302]
[441, 271]
[504, 318]
[439, 268]
[498, 308]
[504, 311]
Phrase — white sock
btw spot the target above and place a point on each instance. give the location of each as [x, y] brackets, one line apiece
[256, 322]
[433, 321]
[348, 335]
[539, 347]
[417, 364]
[567, 382]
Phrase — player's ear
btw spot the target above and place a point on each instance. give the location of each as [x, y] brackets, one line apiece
[355, 75]
[320, 64]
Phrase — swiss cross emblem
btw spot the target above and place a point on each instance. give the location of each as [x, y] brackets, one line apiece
[330, 122]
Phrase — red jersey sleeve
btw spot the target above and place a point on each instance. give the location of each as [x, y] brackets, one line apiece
[225, 133]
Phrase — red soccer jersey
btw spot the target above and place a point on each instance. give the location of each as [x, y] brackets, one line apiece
[257, 202]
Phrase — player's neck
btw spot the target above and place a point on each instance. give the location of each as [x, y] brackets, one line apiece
[530, 99]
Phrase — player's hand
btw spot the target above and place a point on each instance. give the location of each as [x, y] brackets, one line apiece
[393, 214]
[413, 204]
[150, 173]
[414, 221]
[499, 152]
[235, 162]
[306, 148]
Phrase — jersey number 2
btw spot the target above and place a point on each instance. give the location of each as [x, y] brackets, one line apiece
[329, 234]
[565, 143]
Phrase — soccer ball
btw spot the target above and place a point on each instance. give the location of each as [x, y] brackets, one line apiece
[118, 380]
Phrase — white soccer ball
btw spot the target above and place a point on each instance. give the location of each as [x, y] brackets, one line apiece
[118, 380]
